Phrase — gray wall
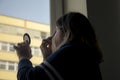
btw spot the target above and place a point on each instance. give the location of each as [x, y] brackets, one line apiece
[105, 17]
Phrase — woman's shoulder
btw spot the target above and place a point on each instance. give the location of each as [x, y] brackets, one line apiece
[65, 50]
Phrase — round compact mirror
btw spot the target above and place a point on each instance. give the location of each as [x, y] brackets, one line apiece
[26, 38]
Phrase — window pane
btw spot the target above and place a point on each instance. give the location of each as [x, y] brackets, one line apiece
[11, 49]
[11, 66]
[43, 35]
[36, 51]
[4, 46]
[16, 20]
[2, 65]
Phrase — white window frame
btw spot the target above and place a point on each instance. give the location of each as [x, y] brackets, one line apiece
[16, 66]
[0, 45]
[56, 10]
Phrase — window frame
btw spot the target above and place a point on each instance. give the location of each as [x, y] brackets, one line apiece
[56, 10]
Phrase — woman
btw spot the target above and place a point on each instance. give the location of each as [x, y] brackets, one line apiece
[71, 53]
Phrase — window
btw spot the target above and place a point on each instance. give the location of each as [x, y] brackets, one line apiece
[11, 66]
[13, 30]
[2, 65]
[7, 47]
[7, 65]
[11, 49]
[18, 20]
[4, 46]
[34, 33]
[43, 35]
[36, 51]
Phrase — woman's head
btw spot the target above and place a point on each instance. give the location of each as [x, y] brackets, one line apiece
[74, 27]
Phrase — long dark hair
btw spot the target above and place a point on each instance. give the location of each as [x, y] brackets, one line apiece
[76, 27]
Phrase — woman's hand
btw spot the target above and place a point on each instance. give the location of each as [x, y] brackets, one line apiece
[46, 47]
[23, 50]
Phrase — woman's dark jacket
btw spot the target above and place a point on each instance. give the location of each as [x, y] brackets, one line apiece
[70, 62]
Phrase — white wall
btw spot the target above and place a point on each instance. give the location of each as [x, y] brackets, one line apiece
[75, 5]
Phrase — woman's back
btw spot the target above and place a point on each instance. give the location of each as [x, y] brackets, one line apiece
[74, 61]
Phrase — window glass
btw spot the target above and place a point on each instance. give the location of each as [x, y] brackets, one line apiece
[11, 66]
[43, 35]
[11, 49]
[33, 17]
[2, 65]
[8, 65]
[4, 46]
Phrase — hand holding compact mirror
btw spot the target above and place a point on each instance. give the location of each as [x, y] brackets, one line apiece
[26, 38]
